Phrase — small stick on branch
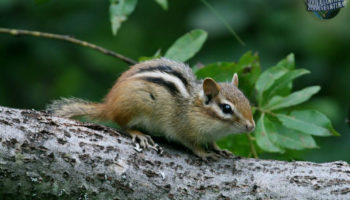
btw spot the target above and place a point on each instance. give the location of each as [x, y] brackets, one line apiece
[252, 148]
[18, 32]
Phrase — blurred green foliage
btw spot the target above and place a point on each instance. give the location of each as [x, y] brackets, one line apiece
[272, 92]
[35, 71]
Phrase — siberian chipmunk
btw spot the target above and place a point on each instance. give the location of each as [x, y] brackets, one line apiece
[163, 97]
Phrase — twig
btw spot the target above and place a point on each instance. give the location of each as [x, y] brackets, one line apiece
[265, 111]
[252, 148]
[18, 32]
[222, 20]
[348, 119]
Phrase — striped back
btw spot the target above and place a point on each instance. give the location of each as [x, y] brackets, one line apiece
[176, 77]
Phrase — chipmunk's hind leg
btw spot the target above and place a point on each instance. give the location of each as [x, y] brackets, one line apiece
[145, 141]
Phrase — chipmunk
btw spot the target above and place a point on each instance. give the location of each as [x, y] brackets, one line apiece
[163, 97]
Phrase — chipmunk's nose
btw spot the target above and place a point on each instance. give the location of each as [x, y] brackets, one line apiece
[250, 126]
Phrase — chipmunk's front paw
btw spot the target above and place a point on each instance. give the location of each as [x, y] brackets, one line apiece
[210, 156]
[206, 155]
[224, 153]
[145, 141]
[221, 152]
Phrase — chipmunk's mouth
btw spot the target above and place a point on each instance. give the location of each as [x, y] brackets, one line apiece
[250, 126]
[243, 126]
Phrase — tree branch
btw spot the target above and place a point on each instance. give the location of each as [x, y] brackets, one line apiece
[45, 157]
[18, 32]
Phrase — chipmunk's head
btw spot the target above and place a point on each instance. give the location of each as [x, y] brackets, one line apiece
[228, 106]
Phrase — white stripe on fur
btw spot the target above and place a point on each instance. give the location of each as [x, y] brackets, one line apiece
[167, 77]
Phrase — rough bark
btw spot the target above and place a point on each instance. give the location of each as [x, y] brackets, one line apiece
[45, 157]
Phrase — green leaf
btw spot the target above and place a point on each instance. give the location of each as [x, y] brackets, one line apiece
[269, 76]
[266, 80]
[187, 46]
[288, 62]
[263, 140]
[308, 121]
[163, 4]
[221, 71]
[278, 102]
[289, 138]
[119, 11]
[248, 69]
[280, 84]
[249, 72]
[238, 144]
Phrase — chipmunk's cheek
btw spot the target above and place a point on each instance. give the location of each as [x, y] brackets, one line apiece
[236, 128]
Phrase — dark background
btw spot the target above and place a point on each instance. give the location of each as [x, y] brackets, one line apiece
[33, 71]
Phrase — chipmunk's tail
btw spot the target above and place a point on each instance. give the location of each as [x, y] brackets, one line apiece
[73, 107]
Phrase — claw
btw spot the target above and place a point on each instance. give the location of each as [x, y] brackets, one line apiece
[221, 152]
[213, 156]
[145, 141]
[137, 147]
[133, 138]
[209, 156]
[224, 153]
[204, 155]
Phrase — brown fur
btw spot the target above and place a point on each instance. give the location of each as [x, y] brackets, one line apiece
[137, 105]
[234, 95]
[210, 87]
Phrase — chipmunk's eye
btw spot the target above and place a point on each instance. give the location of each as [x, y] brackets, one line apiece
[226, 108]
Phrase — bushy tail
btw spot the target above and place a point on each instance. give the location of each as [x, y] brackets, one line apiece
[72, 107]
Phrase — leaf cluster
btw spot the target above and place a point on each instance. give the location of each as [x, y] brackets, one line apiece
[280, 125]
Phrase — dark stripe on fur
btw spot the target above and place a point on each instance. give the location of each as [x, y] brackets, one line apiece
[167, 84]
[168, 70]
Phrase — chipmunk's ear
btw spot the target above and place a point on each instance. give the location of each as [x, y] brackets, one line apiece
[235, 80]
[210, 88]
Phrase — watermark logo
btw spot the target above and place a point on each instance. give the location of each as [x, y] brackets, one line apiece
[323, 5]
[325, 9]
